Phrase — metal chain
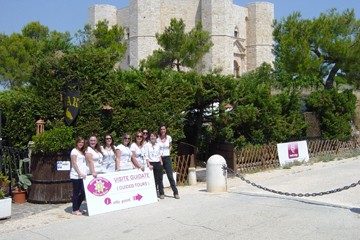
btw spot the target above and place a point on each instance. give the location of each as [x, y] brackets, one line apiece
[292, 194]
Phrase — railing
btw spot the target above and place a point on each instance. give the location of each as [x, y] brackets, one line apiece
[252, 158]
[331, 147]
[182, 164]
[266, 156]
[9, 162]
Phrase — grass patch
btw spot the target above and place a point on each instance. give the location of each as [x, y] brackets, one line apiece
[292, 164]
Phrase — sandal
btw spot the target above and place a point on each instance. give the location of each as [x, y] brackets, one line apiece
[77, 213]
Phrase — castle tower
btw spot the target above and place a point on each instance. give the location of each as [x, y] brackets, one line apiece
[143, 24]
[98, 13]
[215, 19]
[242, 36]
[259, 34]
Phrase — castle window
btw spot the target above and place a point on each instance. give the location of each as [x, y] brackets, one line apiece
[236, 32]
[236, 69]
[127, 33]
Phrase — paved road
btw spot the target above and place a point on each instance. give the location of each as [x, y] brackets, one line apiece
[243, 212]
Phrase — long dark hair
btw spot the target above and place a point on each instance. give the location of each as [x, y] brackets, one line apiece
[97, 146]
[142, 139]
[79, 139]
[122, 141]
[159, 130]
[112, 142]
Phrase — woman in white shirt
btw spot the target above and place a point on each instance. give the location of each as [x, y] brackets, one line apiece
[109, 154]
[123, 154]
[152, 153]
[94, 156]
[164, 142]
[137, 151]
[78, 172]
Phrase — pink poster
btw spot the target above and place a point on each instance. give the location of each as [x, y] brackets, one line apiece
[293, 150]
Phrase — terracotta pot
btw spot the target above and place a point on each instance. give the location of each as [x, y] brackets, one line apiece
[19, 196]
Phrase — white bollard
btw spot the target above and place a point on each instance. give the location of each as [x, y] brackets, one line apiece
[216, 175]
[192, 176]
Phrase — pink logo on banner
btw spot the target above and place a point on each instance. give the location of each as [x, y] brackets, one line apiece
[107, 201]
[99, 186]
[293, 150]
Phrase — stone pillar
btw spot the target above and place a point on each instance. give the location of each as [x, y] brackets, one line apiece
[192, 176]
[40, 124]
[216, 174]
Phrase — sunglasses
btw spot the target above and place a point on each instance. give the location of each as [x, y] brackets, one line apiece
[145, 132]
[108, 138]
[127, 138]
[139, 136]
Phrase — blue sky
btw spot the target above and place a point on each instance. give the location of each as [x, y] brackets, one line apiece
[71, 15]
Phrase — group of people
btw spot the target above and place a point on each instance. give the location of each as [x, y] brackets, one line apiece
[151, 150]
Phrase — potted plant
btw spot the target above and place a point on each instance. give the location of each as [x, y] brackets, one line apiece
[22, 183]
[50, 166]
[5, 202]
[53, 141]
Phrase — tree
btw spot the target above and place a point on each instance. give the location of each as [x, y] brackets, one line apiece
[336, 110]
[16, 59]
[36, 31]
[20, 52]
[179, 49]
[105, 37]
[259, 116]
[311, 51]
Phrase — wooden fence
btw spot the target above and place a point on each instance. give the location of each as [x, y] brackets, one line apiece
[266, 156]
[182, 164]
[331, 147]
[251, 158]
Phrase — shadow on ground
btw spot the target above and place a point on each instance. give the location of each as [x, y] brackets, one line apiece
[355, 210]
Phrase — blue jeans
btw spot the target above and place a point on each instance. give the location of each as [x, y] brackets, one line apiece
[169, 172]
[78, 193]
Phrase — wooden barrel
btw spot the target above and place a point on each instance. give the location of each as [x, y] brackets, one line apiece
[226, 150]
[49, 183]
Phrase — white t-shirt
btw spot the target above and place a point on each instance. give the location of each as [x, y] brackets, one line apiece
[125, 157]
[139, 153]
[108, 164]
[80, 162]
[152, 152]
[97, 159]
[165, 146]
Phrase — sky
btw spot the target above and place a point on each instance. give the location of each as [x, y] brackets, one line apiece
[71, 15]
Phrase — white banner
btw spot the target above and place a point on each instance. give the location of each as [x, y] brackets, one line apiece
[292, 151]
[119, 190]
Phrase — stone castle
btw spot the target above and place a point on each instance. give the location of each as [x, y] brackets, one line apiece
[242, 36]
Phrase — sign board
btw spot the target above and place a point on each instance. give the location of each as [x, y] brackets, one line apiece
[119, 190]
[72, 100]
[292, 151]
[63, 165]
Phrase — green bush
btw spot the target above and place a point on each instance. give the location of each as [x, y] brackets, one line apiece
[56, 140]
[4, 185]
[335, 110]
